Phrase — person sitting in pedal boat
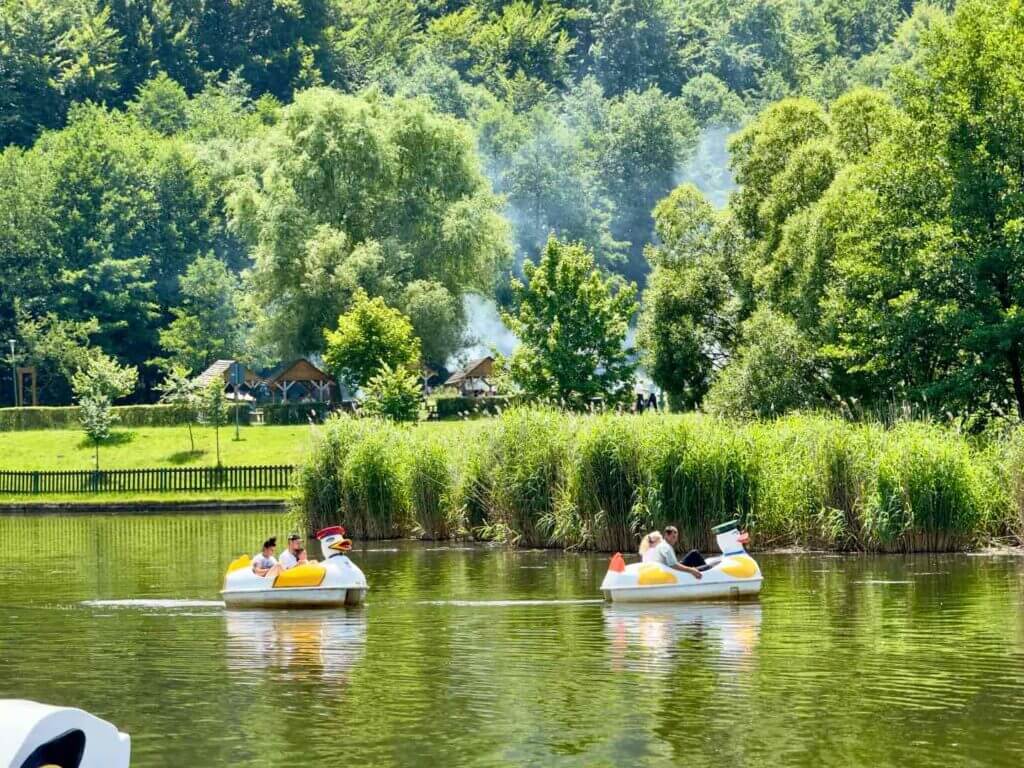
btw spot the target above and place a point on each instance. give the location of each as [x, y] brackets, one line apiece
[666, 554]
[290, 557]
[649, 547]
[264, 563]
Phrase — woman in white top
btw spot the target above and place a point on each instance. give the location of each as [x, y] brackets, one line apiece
[648, 547]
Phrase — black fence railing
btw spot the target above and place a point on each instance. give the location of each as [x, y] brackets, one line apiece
[128, 480]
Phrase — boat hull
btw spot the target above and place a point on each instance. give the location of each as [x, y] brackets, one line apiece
[293, 598]
[335, 582]
[673, 593]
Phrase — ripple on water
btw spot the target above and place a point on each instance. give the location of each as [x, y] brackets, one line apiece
[165, 604]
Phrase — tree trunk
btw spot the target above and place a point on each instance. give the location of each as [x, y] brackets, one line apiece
[191, 440]
[1018, 381]
[216, 432]
[96, 447]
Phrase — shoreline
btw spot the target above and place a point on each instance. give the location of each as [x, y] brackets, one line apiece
[994, 547]
[142, 506]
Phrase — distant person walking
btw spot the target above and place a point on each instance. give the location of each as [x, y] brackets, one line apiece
[652, 402]
[638, 407]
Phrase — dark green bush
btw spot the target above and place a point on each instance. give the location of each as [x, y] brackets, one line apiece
[66, 417]
[292, 413]
[466, 407]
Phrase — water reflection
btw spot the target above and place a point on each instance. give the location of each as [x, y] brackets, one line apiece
[646, 638]
[484, 656]
[296, 645]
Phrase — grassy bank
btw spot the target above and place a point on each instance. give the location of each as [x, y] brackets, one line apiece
[154, 447]
[542, 478]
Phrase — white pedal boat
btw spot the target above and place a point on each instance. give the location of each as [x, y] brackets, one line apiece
[734, 574]
[334, 582]
[34, 735]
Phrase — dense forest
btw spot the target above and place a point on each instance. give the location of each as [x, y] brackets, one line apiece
[183, 180]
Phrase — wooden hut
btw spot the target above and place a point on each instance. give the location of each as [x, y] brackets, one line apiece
[474, 379]
[300, 380]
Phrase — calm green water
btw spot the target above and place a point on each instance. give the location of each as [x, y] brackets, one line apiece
[479, 657]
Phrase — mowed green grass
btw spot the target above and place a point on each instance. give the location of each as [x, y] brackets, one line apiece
[149, 447]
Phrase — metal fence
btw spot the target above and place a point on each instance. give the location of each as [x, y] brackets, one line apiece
[170, 479]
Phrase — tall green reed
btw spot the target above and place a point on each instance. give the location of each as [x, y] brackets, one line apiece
[529, 450]
[431, 485]
[375, 491]
[604, 507]
[930, 495]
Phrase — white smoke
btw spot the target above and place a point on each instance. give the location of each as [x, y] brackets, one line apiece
[708, 169]
[484, 330]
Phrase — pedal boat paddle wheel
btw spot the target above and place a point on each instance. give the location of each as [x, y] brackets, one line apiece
[335, 581]
[735, 574]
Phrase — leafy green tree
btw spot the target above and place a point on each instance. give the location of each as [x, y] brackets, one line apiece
[57, 348]
[711, 102]
[437, 319]
[366, 192]
[636, 47]
[774, 371]
[643, 139]
[162, 105]
[97, 418]
[103, 377]
[393, 393]
[689, 317]
[571, 321]
[213, 404]
[371, 334]
[122, 211]
[54, 53]
[179, 390]
[207, 326]
[96, 385]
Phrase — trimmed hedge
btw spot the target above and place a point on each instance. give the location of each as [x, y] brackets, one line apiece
[457, 407]
[66, 417]
[292, 413]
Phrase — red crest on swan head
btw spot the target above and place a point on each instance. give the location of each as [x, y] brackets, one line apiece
[332, 530]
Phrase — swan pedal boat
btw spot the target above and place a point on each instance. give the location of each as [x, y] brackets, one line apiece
[336, 581]
[734, 574]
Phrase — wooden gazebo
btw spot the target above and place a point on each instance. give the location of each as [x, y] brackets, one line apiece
[474, 378]
[300, 378]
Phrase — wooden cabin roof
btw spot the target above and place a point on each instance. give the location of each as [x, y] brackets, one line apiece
[298, 370]
[477, 369]
[222, 368]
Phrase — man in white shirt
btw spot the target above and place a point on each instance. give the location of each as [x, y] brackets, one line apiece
[264, 563]
[665, 553]
[290, 558]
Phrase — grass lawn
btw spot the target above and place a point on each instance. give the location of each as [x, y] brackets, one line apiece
[154, 447]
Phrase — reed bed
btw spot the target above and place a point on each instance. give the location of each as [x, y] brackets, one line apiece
[538, 477]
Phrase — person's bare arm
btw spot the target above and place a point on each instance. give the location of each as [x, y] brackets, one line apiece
[687, 569]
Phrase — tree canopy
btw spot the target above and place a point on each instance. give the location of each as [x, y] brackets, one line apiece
[368, 193]
[571, 320]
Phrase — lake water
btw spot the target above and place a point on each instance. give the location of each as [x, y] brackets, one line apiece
[478, 656]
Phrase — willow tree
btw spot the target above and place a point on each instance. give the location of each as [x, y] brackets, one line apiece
[350, 193]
